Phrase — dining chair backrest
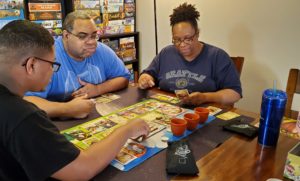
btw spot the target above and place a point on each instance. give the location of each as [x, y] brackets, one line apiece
[292, 87]
[238, 62]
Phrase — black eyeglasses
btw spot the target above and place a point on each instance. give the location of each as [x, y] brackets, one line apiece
[187, 40]
[55, 65]
[86, 37]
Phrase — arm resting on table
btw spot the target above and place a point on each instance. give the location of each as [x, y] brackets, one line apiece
[78, 107]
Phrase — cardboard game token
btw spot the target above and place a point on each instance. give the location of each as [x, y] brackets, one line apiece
[161, 145]
[164, 139]
[273, 179]
[149, 143]
[135, 149]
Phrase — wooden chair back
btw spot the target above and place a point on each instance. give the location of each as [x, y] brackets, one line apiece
[292, 87]
[238, 62]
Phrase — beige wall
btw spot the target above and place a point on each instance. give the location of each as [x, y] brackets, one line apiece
[266, 33]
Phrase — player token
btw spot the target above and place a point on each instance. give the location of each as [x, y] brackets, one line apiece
[161, 145]
[136, 149]
[164, 139]
[273, 179]
[149, 143]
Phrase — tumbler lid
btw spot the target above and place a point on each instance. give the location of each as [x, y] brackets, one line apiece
[277, 94]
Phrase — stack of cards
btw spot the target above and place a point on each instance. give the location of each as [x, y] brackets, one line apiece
[130, 152]
[228, 115]
[213, 110]
[165, 98]
[106, 98]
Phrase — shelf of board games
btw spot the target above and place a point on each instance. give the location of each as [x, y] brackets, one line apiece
[126, 46]
[47, 13]
[10, 11]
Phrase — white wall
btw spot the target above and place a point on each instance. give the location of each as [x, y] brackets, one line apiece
[266, 33]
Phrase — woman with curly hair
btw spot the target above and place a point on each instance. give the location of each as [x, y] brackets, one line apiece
[206, 71]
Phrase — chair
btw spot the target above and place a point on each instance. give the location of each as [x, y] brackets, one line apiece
[238, 62]
[292, 87]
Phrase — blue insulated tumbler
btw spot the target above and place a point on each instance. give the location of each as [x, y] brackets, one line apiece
[271, 114]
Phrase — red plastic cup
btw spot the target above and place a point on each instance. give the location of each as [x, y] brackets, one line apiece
[203, 113]
[192, 120]
[178, 126]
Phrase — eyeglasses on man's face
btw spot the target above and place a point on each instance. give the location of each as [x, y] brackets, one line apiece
[86, 37]
[55, 65]
[186, 40]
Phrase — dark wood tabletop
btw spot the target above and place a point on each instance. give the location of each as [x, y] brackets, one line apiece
[239, 158]
[220, 155]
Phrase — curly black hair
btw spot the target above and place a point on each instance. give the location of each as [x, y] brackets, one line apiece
[185, 13]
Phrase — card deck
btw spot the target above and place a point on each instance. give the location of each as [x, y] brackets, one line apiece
[213, 110]
[124, 158]
[111, 96]
[106, 98]
[165, 98]
[103, 100]
[228, 115]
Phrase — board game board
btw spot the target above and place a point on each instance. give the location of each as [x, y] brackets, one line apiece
[157, 114]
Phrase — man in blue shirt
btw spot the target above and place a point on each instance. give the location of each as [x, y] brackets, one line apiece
[88, 69]
[31, 147]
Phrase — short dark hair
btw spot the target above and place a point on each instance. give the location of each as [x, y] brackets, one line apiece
[185, 13]
[21, 36]
[68, 23]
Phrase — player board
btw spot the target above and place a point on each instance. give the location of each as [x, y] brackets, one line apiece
[157, 114]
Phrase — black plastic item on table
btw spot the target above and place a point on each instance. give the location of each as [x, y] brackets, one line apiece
[242, 128]
[180, 159]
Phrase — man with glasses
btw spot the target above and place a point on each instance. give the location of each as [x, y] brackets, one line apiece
[88, 69]
[203, 70]
[55, 65]
[31, 147]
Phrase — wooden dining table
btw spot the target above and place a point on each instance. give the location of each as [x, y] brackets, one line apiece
[243, 159]
[220, 155]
